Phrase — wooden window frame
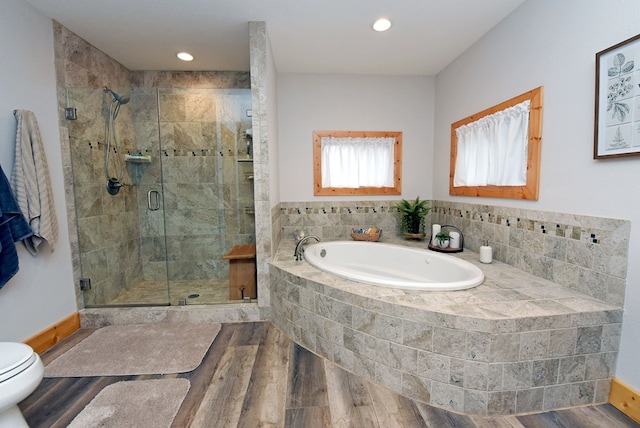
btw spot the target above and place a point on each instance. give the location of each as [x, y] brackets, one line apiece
[531, 189]
[318, 190]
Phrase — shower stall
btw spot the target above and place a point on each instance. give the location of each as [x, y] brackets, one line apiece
[163, 189]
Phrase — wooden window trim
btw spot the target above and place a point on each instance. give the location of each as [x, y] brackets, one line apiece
[529, 190]
[318, 190]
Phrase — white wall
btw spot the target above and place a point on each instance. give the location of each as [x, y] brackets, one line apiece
[310, 102]
[42, 293]
[553, 43]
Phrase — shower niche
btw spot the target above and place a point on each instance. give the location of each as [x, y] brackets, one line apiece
[184, 199]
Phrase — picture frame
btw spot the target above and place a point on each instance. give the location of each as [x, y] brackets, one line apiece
[617, 106]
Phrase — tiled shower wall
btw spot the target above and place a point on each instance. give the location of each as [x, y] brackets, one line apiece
[109, 239]
[207, 179]
[584, 253]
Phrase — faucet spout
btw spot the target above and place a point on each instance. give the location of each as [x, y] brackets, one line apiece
[300, 246]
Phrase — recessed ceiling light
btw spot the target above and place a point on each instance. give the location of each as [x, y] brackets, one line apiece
[185, 56]
[382, 24]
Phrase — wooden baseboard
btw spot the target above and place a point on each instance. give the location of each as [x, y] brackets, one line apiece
[54, 334]
[625, 399]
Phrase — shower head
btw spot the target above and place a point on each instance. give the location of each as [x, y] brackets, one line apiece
[120, 99]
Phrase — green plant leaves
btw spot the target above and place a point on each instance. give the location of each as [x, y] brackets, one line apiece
[413, 214]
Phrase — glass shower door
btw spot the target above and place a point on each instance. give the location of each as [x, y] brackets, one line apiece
[113, 228]
[145, 171]
[208, 194]
[187, 199]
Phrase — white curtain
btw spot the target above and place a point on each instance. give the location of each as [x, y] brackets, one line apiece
[493, 150]
[357, 162]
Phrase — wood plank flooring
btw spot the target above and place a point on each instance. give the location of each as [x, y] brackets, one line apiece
[254, 376]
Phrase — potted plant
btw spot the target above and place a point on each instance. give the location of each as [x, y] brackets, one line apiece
[443, 239]
[413, 214]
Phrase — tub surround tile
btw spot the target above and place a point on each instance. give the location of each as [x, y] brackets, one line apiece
[583, 253]
[531, 346]
[501, 403]
[416, 386]
[545, 372]
[529, 400]
[550, 245]
[562, 342]
[447, 396]
[572, 369]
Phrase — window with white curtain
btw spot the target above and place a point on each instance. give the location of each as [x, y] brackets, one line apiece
[357, 162]
[496, 152]
[493, 150]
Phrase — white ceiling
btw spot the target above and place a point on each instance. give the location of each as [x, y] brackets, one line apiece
[307, 36]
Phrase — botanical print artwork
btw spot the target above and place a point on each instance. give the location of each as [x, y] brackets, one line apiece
[618, 100]
[621, 90]
[618, 137]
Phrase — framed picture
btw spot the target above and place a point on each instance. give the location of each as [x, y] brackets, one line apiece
[617, 119]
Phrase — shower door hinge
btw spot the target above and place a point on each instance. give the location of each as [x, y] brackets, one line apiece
[85, 284]
[70, 113]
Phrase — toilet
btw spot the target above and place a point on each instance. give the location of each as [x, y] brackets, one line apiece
[21, 371]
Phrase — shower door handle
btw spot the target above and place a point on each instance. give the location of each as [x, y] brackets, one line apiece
[153, 200]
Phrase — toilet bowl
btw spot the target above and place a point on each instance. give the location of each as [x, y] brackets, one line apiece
[21, 371]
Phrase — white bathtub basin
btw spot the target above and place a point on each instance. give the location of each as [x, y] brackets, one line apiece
[393, 266]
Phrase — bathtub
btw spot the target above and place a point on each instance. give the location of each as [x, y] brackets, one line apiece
[393, 266]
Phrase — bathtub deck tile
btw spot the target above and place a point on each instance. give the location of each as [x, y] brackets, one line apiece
[448, 341]
[388, 328]
[470, 350]
[474, 319]
[478, 346]
[417, 335]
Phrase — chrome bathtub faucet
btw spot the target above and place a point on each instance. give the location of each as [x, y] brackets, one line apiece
[300, 246]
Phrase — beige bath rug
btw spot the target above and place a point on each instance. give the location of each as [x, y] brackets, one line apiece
[137, 403]
[136, 349]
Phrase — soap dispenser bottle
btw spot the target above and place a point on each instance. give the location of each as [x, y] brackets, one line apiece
[486, 252]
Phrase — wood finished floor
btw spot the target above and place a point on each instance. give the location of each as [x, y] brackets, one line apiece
[254, 376]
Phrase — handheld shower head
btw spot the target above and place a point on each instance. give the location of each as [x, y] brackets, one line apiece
[120, 99]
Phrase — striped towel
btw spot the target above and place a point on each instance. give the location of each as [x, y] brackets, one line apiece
[31, 183]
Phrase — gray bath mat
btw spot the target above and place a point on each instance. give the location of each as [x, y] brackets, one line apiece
[137, 403]
[136, 349]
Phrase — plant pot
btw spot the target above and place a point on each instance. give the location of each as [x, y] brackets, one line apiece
[444, 243]
[414, 235]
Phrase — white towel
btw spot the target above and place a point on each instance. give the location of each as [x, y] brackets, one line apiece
[31, 183]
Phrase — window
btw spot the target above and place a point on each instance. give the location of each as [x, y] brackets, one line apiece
[497, 152]
[357, 163]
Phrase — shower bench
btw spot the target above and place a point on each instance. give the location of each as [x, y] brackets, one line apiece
[242, 272]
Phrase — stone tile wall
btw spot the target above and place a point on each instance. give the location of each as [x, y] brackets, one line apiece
[584, 253]
[103, 228]
[466, 362]
[108, 245]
